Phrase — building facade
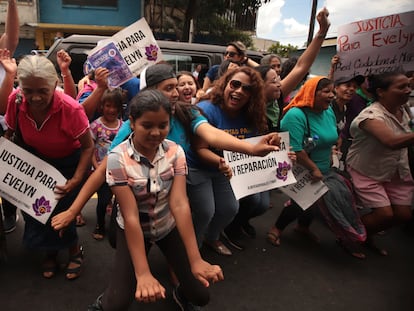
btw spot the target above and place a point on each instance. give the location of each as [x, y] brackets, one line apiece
[41, 21]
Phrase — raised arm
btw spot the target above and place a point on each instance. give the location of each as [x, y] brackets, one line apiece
[92, 102]
[334, 62]
[64, 60]
[10, 38]
[305, 61]
[10, 68]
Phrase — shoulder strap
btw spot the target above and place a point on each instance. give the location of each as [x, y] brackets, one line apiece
[308, 134]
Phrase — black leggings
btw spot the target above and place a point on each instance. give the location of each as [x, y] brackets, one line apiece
[292, 212]
[122, 286]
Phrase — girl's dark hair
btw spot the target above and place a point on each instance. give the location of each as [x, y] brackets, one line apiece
[382, 81]
[148, 100]
[187, 73]
[263, 70]
[324, 82]
[255, 109]
[287, 66]
[224, 66]
[117, 96]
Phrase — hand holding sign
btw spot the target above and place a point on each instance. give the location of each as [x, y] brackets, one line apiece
[266, 144]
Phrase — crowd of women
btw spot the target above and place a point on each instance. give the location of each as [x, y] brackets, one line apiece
[163, 161]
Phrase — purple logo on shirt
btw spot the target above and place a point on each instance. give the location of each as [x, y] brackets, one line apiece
[41, 206]
[282, 170]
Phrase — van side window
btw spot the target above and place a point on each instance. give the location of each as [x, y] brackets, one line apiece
[185, 62]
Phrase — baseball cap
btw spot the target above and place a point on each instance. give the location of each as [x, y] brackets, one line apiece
[155, 74]
[358, 79]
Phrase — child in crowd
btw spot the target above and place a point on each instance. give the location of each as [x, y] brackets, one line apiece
[147, 174]
[103, 130]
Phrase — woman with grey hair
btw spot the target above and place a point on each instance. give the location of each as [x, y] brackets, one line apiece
[54, 127]
[274, 61]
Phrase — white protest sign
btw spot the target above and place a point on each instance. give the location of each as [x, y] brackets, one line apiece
[304, 192]
[376, 45]
[137, 45]
[27, 181]
[253, 174]
[108, 56]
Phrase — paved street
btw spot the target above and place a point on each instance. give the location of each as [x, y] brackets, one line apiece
[297, 276]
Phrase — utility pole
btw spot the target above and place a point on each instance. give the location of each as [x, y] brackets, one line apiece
[312, 22]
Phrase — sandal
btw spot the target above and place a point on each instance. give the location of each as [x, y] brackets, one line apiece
[350, 249]
[99, 233]
[273, 238]
[219, 247]
[77, 259]
[50, 266]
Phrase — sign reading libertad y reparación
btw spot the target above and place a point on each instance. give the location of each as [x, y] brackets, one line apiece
[376, 45]
[253, 174]
[27, 181]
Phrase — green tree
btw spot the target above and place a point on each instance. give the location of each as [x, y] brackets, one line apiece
[282, 50]
[213, 17]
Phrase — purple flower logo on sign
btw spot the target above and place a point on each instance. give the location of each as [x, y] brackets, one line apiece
[282, 170]
[41, 206]
[151, 52]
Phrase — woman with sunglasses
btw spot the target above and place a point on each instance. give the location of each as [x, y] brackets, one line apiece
[237, 106]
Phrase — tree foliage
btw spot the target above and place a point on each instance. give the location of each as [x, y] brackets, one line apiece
[221, 20]
[282, 50]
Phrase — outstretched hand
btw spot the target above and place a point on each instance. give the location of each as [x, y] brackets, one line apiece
[268, 143]
[206, 273]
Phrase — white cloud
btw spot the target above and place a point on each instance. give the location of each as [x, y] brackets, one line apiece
[294, 28]
[273, 25]
[345, 12]
[270, 15]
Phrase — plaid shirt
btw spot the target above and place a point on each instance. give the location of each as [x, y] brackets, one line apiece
[150, 182]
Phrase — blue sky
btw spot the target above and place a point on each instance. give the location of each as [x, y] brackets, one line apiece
[287, 21]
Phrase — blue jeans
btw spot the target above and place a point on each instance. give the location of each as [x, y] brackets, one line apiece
[212, 201]
[253, 205]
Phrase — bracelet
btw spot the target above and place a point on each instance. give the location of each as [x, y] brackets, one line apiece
[66, 75]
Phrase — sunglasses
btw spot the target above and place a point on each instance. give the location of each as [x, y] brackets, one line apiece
[236, 84]
[231, 54]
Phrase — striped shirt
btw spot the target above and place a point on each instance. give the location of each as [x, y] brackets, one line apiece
[150, 182]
